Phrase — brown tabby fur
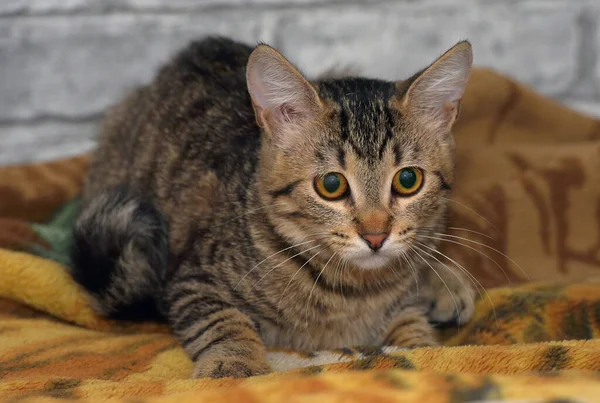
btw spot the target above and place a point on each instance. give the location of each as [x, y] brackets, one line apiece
[190, 207]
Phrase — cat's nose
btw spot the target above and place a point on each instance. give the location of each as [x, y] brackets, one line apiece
[375, 241]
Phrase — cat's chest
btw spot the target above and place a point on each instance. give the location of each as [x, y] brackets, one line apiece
[352, 325]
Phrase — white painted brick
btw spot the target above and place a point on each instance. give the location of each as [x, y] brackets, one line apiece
[535, 44]
[37, 7]
[76, 66]
[45, 141]
[594, 28]
[590, 108]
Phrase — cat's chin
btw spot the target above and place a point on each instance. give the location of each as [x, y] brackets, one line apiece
[371, 261]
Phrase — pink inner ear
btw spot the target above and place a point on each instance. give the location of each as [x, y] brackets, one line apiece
[288, 113]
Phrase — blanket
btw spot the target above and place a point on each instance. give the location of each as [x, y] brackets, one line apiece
[525, 221]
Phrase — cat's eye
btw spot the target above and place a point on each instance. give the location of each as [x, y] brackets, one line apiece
[407, 181]
[331, 186]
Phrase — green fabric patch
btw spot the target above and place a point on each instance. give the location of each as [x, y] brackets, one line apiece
[58, 233]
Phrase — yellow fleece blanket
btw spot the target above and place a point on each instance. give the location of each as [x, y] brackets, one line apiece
[528, 180]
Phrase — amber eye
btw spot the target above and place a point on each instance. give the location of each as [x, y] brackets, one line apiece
[407, 181]
[331, 186]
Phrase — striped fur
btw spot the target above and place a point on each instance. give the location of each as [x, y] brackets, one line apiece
[255, 257]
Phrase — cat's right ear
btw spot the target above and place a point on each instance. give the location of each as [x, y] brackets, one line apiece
[282, 98]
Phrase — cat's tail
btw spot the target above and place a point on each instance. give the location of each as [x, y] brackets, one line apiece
[120, 251]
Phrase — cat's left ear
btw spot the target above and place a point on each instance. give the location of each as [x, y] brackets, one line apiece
[434, 96]
[283, 99]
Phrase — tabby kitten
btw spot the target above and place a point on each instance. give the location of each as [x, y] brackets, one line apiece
[249, 206]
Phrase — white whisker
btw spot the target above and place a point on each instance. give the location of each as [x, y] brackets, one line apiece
[292, 279]
[413, 267]
[440, 277]
[343, 267]
[473, 249]
[314, 285]
[410, 267]
[472, 211]
[473, 279]
[282, 263]
[338, 267]
[488, 247]
[270, 256]
[448, 269]
[471, 231]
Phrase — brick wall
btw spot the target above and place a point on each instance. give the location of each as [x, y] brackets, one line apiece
[63, 61]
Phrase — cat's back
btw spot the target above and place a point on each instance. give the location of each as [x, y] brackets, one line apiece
[194, 116]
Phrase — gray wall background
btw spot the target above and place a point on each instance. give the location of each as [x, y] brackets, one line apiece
[63, 61]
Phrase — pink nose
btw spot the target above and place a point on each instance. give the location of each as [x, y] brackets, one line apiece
[375, 241]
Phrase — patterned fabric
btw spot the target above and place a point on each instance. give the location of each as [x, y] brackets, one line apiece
[528, 180]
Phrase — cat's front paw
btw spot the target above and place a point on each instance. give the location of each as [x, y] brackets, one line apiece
[410, 329]
[452, 298]
[229, 367]
[421, 341]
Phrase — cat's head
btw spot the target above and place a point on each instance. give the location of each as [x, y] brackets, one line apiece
[357, 168]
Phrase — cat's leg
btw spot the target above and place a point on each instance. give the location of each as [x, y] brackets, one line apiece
[410, 328]
[220, 339]
[450, 294]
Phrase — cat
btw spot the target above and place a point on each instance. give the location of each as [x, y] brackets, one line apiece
[248, 206]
